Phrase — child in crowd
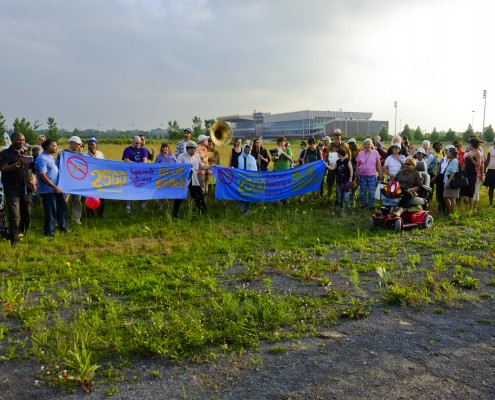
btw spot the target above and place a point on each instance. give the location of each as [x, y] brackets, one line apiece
[344, 180]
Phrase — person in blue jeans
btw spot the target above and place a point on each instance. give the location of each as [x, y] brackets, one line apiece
[344, 176]
[54, 205]
[368, 166]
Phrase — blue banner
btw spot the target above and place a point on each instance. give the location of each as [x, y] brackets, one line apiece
[106, 179]
[254, 186]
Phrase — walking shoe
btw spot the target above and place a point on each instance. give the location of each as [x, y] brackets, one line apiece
[128, 210]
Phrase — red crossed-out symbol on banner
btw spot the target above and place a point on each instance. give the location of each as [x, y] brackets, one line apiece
[77, 167]
[225, 175]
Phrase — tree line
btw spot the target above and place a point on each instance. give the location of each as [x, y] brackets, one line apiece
[174, 132]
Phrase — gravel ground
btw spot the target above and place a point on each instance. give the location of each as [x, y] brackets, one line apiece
[398, 354]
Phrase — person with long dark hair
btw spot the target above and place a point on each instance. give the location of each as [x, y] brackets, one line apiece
[261, 155]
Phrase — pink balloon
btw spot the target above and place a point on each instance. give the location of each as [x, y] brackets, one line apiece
[93, 202]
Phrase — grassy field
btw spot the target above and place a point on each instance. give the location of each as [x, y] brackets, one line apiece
[84, 303]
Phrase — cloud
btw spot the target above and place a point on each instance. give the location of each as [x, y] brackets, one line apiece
[144, 62]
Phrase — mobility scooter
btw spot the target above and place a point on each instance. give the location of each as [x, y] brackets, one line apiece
[414, 215]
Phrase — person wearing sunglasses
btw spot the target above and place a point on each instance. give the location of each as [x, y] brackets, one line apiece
[410, 181]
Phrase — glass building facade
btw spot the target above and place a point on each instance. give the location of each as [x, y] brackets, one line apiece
[303, 124]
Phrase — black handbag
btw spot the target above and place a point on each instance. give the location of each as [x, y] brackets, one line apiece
[459, 180]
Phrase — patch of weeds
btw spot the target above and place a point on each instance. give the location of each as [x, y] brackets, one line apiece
[155, 374]
[484, 322]
[112, 391]
[469, 243]
[279, 349]
[462, 279]
[253, 271]
[409, 294]
[491, 282]
[79, 362]
[486, 295]
[438, 310]
[346, 260]
[356, 308]
[354, 278]
[438, 263]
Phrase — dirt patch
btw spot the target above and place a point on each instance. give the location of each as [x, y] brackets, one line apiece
[394, 353]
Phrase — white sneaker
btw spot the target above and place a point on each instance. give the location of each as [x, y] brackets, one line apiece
[128, 210]
[77, 222]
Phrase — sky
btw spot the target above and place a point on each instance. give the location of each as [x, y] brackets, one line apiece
[125, 64]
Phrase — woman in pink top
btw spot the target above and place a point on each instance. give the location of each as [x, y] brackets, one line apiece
[368, 165]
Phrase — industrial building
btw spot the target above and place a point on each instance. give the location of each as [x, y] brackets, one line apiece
[303, 124]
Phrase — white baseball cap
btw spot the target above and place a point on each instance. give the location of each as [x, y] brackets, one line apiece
[75, 139]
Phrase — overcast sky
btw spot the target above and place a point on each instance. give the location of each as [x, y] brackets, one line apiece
[145, 62]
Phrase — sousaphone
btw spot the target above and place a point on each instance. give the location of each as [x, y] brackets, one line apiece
[221, 133]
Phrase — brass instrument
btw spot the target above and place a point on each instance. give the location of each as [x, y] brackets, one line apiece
[221, 133]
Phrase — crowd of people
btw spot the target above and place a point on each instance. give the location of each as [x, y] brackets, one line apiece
[30, 174]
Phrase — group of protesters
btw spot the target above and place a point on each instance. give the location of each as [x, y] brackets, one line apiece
[350, 169]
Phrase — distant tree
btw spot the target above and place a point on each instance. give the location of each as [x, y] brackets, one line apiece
[384, 134]
[197, 123]
[52, 132]
[407, 131]
[434, 136]
[209, 123]
[28, 130]
[450, 136]
[489, 134]
[468, 133]
[418, 134]
[173, 130]
[3, 129]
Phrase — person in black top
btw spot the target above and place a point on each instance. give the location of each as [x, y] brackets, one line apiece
[18, 184]
[260, 154]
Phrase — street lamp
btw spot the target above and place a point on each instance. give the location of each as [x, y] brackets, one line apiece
[472, 121]
[484, 111]
[395, 106]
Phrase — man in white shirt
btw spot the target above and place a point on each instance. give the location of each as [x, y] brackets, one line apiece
[189, 157]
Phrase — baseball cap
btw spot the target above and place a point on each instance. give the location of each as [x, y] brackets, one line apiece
[421, 150]
[449, 146]
[191, 144]
[75, 139]
[351, 140]
[327, 138]
[202, 137]
[187, 130]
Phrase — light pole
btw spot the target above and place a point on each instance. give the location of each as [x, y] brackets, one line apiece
[99, 132]
[400, 125]
[472, 122]
[484, 111]
[395, 106]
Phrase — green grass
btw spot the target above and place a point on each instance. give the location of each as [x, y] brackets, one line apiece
[144, 285]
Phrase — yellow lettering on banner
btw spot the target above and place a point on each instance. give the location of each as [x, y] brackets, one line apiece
[107, 178]
[178, 183]
[251, 185]
[168, 171]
